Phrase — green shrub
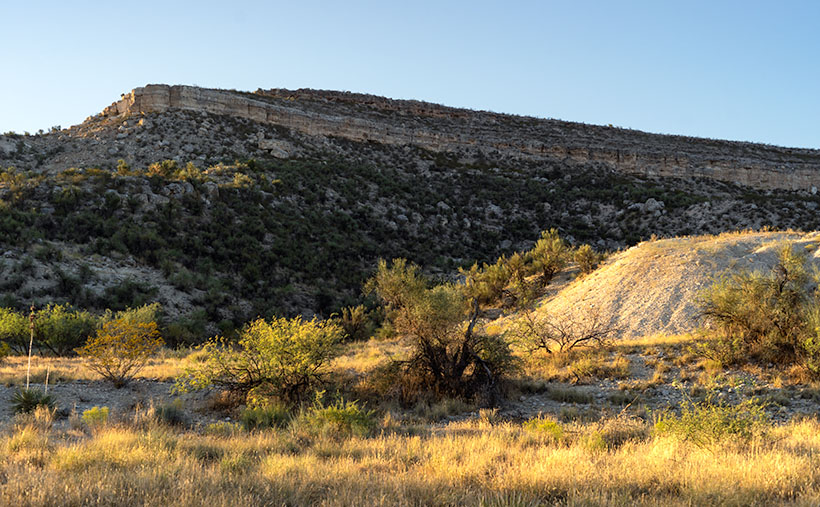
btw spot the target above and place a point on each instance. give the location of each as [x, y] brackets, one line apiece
[542, 425]
[61, 329]
[710, 421]
[549, 255]
[570, 394]
[165, 169]
[24, 401]
[172, 413]
[450, 357]
[272, 415]
[95, 417]
[357, 323]
[587, 259]
[145, 314]
[5, 350]
[772, 317]
[284, 357]
[223, 429]
[14, 330]
[339, 419]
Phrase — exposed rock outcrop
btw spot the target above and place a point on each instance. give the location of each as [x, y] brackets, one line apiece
[364, 118]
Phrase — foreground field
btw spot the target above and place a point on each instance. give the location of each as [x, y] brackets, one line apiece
[477, 462]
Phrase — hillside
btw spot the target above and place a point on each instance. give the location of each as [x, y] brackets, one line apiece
[652, 288]
[225, 205]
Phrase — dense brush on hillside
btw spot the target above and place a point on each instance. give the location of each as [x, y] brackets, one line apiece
[188, 209]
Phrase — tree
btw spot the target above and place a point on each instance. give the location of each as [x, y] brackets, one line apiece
[284, 358]
[549, 255]
[61, 329]
[449, 356]
[14, 330]
[121, 348]
[577, 328]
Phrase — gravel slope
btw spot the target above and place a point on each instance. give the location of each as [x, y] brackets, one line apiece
[652, 287]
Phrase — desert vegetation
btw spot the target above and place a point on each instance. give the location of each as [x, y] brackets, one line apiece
[435, 391]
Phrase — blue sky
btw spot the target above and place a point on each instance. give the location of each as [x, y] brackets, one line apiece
[747, 71]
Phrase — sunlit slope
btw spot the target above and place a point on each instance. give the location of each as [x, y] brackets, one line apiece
[653, 287]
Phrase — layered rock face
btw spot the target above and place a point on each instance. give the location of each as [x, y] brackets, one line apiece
[365, 118]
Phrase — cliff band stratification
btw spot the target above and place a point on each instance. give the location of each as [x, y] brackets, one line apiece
[365, 118]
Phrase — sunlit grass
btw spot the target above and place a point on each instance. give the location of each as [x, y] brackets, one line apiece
[363, 357]
[164, 367]
[469, 462]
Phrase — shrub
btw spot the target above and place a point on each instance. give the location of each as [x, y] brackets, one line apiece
[61, 329]
[549, 255]
[26, 400]
[772, 317]
[223, 429]
[542, 425]
[710, 421]
[172, 413]
[14, 330]
[339, 419]
[143, 314]
[95, 417]
[5, 350]
[581, 327]
[587, 259]
[356, 322]
[449, 358]
[285, 357]
[121, 349]
[165, 169]
[520, 292]
[271, 415]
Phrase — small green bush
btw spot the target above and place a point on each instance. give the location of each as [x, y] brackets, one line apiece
[121, 348]
[143, 314]
[165, 169]
[223, 429]
[5, 350]
[339, 419]
[357, 323]
[587, 259]
[95, 417]
[172, 414]
[542, 425]
[707, 422]
[265, 417]
[549, 255]
[24, 401]
[14, 330]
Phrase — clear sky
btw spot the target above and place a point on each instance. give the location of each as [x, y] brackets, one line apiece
[741, 70]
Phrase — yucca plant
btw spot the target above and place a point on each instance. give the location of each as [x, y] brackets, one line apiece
[26, 400]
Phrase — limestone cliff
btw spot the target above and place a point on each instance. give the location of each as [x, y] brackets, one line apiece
[365, 118]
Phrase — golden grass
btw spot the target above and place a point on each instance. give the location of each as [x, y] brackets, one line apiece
[574, 365]
[363, 357]
[465, 463]
[164, 367]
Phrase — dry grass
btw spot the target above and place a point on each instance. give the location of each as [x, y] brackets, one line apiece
[467, 463]
[166, 366]
[364, 357]
[582, 365]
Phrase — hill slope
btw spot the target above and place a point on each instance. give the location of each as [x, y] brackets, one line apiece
[226, 205]
[653, 287]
